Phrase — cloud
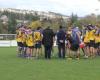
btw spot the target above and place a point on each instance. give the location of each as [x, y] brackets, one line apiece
[80, 7]
[77, 6]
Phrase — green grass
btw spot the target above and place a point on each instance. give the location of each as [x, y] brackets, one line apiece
[14, 68]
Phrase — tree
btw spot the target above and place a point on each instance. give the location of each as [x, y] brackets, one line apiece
[12, 25]
[90, 19]
[35, 24]
[73, 19]
[1, 27]
[4, 23]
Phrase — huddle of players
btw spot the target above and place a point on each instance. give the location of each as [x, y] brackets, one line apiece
[87, 39]
[92, 41]
[28, 40]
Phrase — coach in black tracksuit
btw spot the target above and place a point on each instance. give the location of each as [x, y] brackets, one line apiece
[61, 37]
[48, 36]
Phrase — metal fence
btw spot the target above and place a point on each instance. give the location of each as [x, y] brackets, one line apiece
[7, 36]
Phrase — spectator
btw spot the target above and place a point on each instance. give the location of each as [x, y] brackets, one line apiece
[48, 36]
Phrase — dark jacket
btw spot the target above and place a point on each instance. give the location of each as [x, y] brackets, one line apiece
[48, 35]
[61, 37]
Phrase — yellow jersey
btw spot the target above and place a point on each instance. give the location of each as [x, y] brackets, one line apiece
[86, 37]
[97, 39]
[92, 35]
[29, 40]
[23, 38]
[18, 36]
[37, 36]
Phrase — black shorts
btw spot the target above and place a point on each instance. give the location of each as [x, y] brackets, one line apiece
[24, 44]
[30, 46]
[38, 45]
[74, 47]
[87, 44]
[92, 43]
[20, 44]
[96, 45]
[99, 44]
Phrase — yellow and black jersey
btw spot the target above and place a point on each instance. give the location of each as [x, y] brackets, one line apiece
[23, 38]
[29, 40]
[37, 36]
[86, 37]
[18, 36]
[92, 35]
[97, 39]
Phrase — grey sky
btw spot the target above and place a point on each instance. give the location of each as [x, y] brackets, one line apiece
[80, 7]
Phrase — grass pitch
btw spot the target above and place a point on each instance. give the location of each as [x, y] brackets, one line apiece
[15, 68]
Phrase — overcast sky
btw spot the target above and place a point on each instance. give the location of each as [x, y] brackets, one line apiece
[66, 7]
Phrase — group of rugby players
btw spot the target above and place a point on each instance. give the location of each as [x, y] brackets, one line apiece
[27, 41]
[88, 40]
[92, 41]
